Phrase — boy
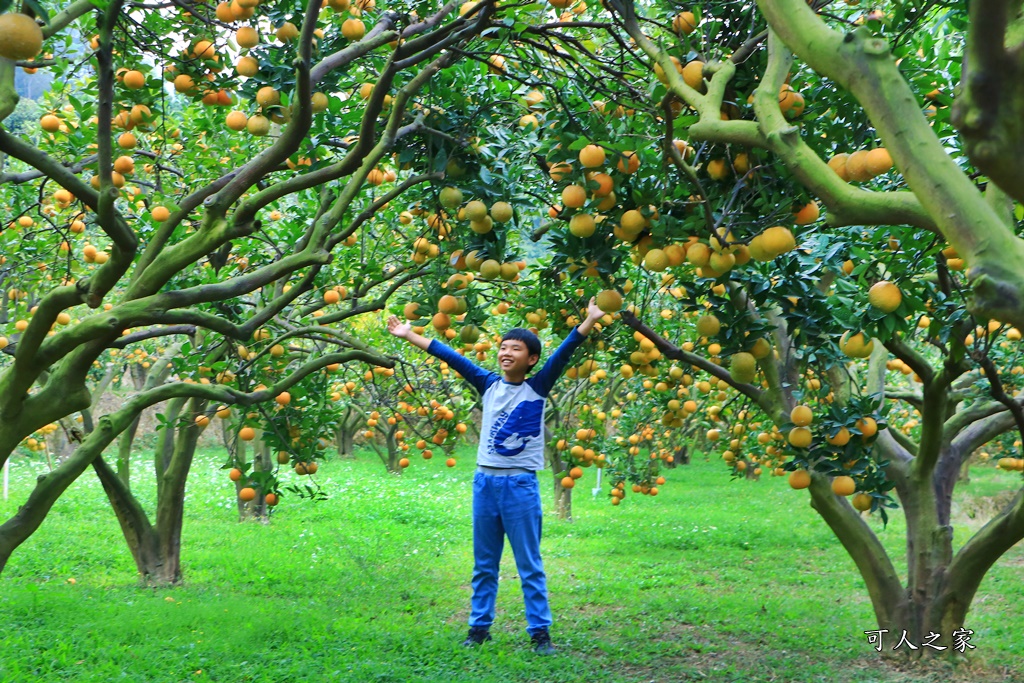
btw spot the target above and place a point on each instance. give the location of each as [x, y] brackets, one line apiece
[506, 495]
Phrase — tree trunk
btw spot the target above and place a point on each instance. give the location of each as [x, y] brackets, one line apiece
[165, 442]
[563, 496]
[965, 473]
[239, 453]
[156, 549]
[142, 539]
[262, 462]
[170, 505]
[344, 440]
[124, 451]
[394, 452]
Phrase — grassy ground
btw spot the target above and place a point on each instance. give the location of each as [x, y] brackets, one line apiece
[711, 580]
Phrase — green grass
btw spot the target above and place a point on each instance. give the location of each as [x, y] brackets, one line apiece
[711, 580]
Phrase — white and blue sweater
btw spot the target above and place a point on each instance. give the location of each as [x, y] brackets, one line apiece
[512, 429]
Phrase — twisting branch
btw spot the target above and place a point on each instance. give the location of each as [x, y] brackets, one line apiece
[997, 390]
[670, 350]
[918, 363]
[153, 333]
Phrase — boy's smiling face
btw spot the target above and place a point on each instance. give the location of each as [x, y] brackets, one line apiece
[515, 359]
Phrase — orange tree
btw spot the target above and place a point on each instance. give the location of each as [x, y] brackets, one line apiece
[231, 168]
[827, 216]
[821, 192]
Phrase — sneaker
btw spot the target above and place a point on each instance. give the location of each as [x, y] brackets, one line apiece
[542, 643]
[477, 636]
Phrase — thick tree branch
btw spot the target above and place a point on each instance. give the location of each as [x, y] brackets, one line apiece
[862, 64]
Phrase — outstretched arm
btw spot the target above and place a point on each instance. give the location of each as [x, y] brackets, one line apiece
[472, 373]
[404, 331]
[545, 379]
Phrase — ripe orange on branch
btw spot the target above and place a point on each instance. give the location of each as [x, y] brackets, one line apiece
[20, 36]
[684, 23]
[800, 479]
[801, 416]
[592, 156]
[843, 485]
[885, 296]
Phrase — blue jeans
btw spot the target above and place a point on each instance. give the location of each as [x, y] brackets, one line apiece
[508, 505]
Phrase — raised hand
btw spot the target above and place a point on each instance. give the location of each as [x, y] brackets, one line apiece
[398, 328]
[593, 312]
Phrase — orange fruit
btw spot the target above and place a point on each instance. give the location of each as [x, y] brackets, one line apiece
[236, 120]
[559, 170]
[450, 462]
[258, 125]
[268, 96]
[134, 80]
[124, 164]
[568, 482]
[573, 196]
[287, 31]
[235, 474]
[867, 427]
[20, 36]
[50, 123]
[841, 438]
[247, 434]
[800, 437]
[801, 416]
[656, 260]
[353, 29]
[843, 485]
[885, 296]
[629, 162]
[838, 164]
[247, 37]
[246, 494]
[856, 346]
[441, 321]
[857, 166]
[204, 49]
[582, 225]
[862, 501]
[693, 74]
[247, 66]
[501, 212]
[800, 479]
[448, 304]
[270, 499]
[592, 156]
[684, 23]
[708, 326]
[878, 161]
[283, 399]
[183, 83]
[609, 301]
[490, 269]
[807, 214]
[718, 169]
